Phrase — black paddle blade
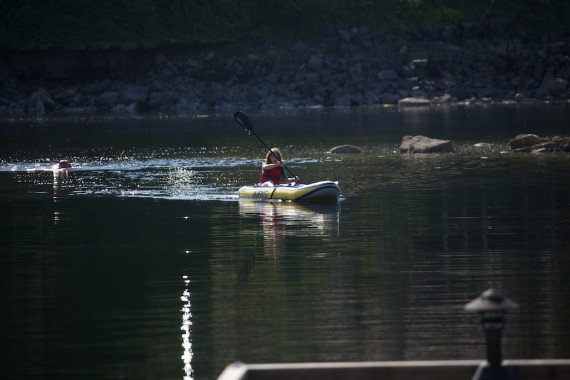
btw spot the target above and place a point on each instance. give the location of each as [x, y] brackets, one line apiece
[243, 120]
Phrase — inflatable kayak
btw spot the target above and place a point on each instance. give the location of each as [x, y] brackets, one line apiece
[324, 191]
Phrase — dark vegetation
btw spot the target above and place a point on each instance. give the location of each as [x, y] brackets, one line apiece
[135, 24]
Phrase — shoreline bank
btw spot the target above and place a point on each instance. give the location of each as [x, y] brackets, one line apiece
[344, 68]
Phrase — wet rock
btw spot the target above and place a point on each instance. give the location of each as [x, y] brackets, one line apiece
[524, 141]
[557, 144]
[445, 98]
[414, 102]
[345, 149]
[423, 144]
[535, 144]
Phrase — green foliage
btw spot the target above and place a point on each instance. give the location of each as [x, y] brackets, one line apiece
[130, 24]
[30, 24]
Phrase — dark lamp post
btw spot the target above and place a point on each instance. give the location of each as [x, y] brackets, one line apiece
[492, 306]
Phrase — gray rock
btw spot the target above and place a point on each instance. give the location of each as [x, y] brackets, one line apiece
[96, 87]
[130, 109]
[347, 68]
[423, 144]
[133, 93]
[315, 63]
[445, 98]
[214, 93]
[80, 110]
[312, 77]
[345, 149]
[345, 36]
[524, 141]
[388, 75]
[106, 99]
[408, 70]
[557, 144]
[554, 86]
[159, 98]
[414, 102]
[40, 100]
[535, 144]
[420, 63]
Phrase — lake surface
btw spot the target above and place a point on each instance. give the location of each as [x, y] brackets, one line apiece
[144, 264]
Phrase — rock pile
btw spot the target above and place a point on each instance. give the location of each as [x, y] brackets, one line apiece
[535, 144]
[469, 63]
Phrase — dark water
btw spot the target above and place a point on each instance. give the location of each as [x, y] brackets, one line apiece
[143, 264]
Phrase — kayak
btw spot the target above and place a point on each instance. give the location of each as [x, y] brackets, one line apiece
[324, 191]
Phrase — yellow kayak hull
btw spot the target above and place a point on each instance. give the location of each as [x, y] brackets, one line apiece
[324, 191]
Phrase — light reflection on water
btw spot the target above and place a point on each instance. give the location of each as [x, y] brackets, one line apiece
[218, 177]
[99, 258]
[187, 331]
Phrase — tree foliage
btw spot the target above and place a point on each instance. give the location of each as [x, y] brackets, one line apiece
[131, 24]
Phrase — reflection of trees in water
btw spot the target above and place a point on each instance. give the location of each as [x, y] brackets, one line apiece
[186, 327]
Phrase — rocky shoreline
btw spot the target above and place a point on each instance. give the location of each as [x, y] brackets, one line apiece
[470, 63]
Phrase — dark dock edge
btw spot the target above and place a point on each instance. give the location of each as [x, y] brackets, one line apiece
[536, 369]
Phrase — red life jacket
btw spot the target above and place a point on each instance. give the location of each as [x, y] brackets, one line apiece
[273, 175]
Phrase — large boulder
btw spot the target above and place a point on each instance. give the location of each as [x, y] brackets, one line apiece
[525, 141]
[535, 144]
[423, 144]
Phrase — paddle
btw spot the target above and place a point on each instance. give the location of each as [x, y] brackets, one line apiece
[242, 119]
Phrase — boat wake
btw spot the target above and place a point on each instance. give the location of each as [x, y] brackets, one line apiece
[174, 179]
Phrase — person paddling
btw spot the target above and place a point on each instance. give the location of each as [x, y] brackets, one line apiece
[273, 171]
